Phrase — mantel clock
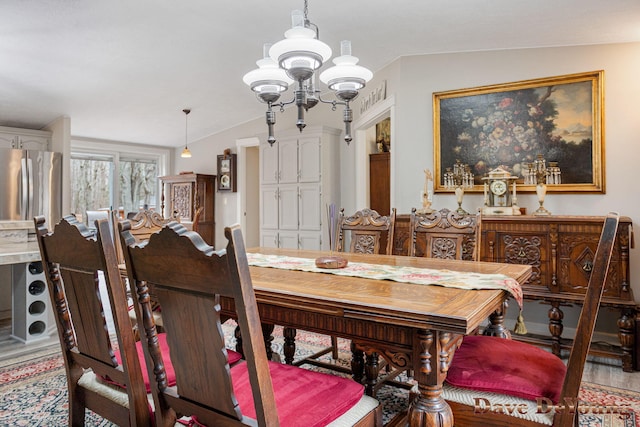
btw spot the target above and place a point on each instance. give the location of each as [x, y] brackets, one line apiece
[498, 200]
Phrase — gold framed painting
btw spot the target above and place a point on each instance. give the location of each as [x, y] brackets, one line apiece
[558, 119]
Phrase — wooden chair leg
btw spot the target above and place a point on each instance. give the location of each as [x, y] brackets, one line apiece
[334, 345]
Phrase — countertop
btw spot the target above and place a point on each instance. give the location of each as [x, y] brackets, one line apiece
[17, 242]
[16, 253]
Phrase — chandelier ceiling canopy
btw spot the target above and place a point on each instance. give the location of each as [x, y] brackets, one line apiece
[295, 61]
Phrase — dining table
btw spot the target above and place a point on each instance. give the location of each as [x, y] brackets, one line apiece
[413, 324]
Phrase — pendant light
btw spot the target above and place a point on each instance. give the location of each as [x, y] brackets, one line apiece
[186, 153]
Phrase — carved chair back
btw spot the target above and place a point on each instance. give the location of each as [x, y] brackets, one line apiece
[143, 224]
[72, 257]
[189, 279]
[366, 230]
[444, 234]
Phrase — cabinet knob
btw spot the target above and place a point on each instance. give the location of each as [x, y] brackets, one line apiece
[587, 266]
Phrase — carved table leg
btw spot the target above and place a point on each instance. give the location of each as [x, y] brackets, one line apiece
[431, 362]
[627, 336]
[357, 363]
[555, 326]
[238, 336]
[371, 370]
[289, 346]
[496, 323]
[267, 330]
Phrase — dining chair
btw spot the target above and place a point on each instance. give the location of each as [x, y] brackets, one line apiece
[74, 260]
[490, 371]
[189, 278]
[365, 231]
[143, 223]
[444, 234]
[92, 215]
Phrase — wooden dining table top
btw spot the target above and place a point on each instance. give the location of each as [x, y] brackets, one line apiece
[420, 306]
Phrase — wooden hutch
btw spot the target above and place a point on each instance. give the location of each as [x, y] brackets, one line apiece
[185, 193]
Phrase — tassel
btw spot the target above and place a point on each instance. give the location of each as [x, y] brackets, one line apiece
[520, 328]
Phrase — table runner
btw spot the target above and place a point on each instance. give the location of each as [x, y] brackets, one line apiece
[404, 274]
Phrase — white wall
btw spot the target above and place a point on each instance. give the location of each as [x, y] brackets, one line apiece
[412, 81]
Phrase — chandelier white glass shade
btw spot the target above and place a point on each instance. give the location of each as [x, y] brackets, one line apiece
[185, 152]
[295, 60]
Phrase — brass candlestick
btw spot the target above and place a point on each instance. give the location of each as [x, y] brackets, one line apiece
[540, 175]
[459, 178]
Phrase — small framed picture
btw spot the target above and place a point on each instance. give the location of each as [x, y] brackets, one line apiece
[227, 172]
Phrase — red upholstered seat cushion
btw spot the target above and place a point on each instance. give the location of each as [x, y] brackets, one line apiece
[233, 357]
[303, 397]
[507, 367]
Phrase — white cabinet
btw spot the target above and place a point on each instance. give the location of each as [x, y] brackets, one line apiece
[24, 139]
[299, 179]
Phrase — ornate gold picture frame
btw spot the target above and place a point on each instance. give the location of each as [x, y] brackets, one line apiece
[511, 125]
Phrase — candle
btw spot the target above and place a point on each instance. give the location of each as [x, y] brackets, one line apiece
[426, 182]
[486, 198]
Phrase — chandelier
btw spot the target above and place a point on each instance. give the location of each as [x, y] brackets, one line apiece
[295, 60]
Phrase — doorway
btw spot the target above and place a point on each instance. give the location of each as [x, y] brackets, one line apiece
[249, 190]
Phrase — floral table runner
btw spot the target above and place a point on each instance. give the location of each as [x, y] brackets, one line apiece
[419, 276]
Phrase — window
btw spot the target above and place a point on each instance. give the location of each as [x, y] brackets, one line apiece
[108, 176]
[138, 184]
[91, 182]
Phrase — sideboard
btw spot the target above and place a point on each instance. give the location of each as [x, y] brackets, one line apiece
[560, 249]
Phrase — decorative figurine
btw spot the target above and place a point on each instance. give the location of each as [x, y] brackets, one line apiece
[426, 194]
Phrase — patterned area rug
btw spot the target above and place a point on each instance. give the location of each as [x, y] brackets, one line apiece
[33, 389]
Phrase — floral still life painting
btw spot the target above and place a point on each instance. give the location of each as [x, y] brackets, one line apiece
[511, 125]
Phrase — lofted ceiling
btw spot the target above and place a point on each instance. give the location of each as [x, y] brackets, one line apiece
[123, 70]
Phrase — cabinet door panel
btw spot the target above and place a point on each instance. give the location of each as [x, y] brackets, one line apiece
[523, 248]
[576, 261]
[269, 208]
[7, 141]
[182, 200]
[288, 240]
[310, 241]
[268, 164]
[26, 141]
[309, 159]
[288, 198]
[288, 161]
[269, 239]
[33, 142]
[310, 211]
